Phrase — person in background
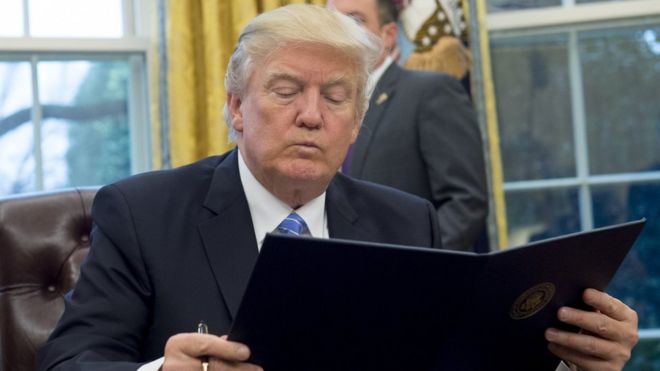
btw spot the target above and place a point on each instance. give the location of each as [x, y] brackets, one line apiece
[420, 134]
[175, 246]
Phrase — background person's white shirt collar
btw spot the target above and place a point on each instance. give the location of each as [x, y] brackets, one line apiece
[377, 74]
[268, 211]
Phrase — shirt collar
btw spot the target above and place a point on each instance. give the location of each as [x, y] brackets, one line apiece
[377, 74]
[268, 211]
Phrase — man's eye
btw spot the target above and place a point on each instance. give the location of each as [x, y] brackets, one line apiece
[285, 93]
[335, 100]
[357, 19]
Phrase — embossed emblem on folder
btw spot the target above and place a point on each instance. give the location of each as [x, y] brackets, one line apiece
[532, 300]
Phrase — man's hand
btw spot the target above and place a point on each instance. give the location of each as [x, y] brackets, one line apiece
[607, 337]
[185, 352]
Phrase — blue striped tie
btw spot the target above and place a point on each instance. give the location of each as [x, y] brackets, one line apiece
[293, 224]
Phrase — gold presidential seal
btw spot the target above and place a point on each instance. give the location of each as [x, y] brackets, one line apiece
[532, 300]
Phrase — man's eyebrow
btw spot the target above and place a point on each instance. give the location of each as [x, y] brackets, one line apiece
[356, 15]
[342, 80]
[279, 76]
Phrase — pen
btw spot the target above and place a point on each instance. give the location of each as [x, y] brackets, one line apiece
[202, 328]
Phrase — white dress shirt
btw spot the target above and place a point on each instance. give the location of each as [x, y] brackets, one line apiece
[268, 211]
[376, 75]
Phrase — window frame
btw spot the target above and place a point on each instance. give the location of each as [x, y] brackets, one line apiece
[134, 47]
[569, 18]
[569, 14]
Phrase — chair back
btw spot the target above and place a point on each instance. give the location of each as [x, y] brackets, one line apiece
[44, 238]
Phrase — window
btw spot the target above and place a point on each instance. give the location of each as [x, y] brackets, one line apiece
[11, 18]
[576, 88]
[73, 106]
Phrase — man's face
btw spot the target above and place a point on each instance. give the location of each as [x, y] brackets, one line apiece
[297, 118]
[364, 12]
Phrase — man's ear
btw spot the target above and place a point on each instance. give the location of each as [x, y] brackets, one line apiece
[235, 112]
[356, 130]
[388, 34]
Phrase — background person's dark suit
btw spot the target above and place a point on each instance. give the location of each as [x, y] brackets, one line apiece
[173, 247]
[420, 135]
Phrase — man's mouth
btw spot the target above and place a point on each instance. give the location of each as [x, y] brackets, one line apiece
[308, 144]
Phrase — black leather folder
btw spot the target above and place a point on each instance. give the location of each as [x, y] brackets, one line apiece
[319, 304]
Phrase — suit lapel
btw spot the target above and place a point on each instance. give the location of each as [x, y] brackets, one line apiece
[378, 103]
[343, 220]
[228, 237]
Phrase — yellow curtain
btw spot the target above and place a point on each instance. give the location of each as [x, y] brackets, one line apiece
[201, 35]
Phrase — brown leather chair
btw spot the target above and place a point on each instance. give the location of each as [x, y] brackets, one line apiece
[44, 238]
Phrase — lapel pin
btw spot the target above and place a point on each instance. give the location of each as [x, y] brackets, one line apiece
[381, 99]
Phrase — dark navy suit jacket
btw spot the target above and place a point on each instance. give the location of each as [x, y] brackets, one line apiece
[173, 247]
[420, 135]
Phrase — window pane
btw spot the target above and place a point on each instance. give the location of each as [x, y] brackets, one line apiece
[76, 18]
[538, 214]
[595, 1]
[508, 5]
[85, 122]
[16, 129]
[645, 356]
[638, 279]
[621, 75]
[533, 107]
[11, 18]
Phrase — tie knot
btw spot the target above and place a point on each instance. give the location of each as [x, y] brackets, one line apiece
[293, 224]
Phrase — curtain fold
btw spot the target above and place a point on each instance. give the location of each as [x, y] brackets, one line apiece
[200, 37]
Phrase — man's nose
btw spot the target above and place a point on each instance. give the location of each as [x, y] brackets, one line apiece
[310, 110]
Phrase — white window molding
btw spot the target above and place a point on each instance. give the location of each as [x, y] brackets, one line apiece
[621, 178]
[571, 14]
[68, 45]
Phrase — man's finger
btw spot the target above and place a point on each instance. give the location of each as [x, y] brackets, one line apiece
[574, 357]
[594, 323]
[580, 361]
[609, 305]
[587, 345]
[198, 345]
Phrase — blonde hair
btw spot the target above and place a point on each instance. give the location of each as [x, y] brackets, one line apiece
[300, 24]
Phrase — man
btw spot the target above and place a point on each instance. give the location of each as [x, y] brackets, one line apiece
[420, 134]
[172, 247]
